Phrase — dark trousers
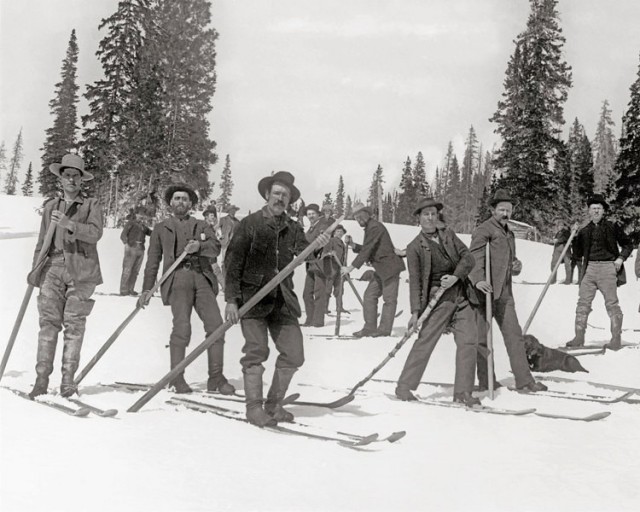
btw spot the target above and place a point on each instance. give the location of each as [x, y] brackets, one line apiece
[308, 296]
[285, 332]
[131, 263]
[388, 290]
[557, 251]
[504, 312]
[321, 294]
[452, 306]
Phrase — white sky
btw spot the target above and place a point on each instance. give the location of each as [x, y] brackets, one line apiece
[323, 88]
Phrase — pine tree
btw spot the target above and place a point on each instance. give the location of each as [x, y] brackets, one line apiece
[580, 171]
[407, 196]
[27, 186]
[61, 136]
[348, 208]
[226, 186]
[387, 208]
[604, 153]
[627, 199]
[420, 184]
[340, 198]
[374, 190]
[530, 115]
[470, 163]
[328, 200]
[454, 200]
[3, 159]
[11, 181]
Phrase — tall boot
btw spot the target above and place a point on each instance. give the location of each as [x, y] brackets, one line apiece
[177, 353]
[279, 385]
[580, 329]
[253, 392]
[217, 381]
[75, 320]
[616, 333]
[44, 367]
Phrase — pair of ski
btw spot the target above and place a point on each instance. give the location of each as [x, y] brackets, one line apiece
[82, 409]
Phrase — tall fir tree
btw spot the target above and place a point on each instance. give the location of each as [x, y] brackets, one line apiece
[27, 186]
[340, 197]
[226, 186]
[3, 159]
[420, 184]
[407, 196]
[453, 199]
[627, 200]
[375, 190]
[61, 136]
[11, 180]
[580, 170]
[530, 114]
[328, 200]
[348, 208]
[469, 170]
[604, 154]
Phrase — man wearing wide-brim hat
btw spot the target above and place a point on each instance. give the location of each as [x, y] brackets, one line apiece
[228, 225]
[133, 237]
[495, 232]
[436, 259]
[377, 249]
[264, 243]
[70, 273]
[192, 285]
[602, 247]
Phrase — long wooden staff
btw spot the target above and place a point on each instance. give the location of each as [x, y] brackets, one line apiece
[340, 292]
[489, 314]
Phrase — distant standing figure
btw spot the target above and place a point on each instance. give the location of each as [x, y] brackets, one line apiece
[559, 241]
[227, 227]
[316, 226]
[377, 249]
[69, 276]
[602, 269]
[210, 215]
[133, 237]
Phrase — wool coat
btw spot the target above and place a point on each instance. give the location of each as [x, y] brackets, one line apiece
[378, 250]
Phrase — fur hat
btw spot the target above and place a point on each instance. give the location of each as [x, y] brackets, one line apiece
[598, 199]
[180, 187]
[425, 202]
[501, 196]
[73, 161]
[284, 177]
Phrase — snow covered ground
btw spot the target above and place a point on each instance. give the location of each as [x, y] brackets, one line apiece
[163, 458]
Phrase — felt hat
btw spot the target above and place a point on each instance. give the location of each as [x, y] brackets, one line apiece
[284, 177]
[73, 161]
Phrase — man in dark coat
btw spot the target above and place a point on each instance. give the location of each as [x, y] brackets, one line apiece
[264, 243]
[314, 290]
[133, 237]
[438, 258]
[191, 285]
[559, 241]
[504, 265]
[378, 250]
[602, 269]
[69, 276]
[228, 225]
[210, 215]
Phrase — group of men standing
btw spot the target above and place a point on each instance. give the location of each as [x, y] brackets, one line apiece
[264, 243]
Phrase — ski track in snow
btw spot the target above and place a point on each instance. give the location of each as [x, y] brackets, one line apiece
[167, 458]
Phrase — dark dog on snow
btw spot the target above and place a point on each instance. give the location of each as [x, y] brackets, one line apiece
[545, 359]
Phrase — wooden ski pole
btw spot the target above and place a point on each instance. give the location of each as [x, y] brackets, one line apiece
[46, 244]
[209, 340]
[126, 322]
[340, 292]
[353, 287]
[489, 314]
[574, 231]
[410, 332]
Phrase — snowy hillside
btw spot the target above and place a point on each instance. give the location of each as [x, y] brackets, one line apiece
[166, 458]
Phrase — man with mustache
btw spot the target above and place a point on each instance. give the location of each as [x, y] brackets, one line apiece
[377, 249]
[313, 288]
[191, 285]
[264, 243]
[596, 245]
[504, 264]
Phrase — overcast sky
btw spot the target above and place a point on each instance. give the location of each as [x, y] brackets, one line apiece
[323, 88]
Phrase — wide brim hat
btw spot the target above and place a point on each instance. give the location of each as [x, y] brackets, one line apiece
[180, 187]
[210, 209]
[73, 161]
[339, 226]
[427, 202]
[232, 208]
[359, 207]
[598, 199]
[312, 206]
[501, 196]
[284, 177]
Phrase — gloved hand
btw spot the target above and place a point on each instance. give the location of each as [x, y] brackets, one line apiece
[144, 298]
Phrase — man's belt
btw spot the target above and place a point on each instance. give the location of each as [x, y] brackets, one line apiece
[191, 263]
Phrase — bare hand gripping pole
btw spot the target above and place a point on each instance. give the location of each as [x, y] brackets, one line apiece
[209, 340]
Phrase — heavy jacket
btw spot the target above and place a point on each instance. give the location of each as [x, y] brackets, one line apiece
[162, 247]
[134, 234]
[614, 236]
[419, 264]
[259, 249]
[378, 250]
[80, 247]
[227, 228]
[502, 246]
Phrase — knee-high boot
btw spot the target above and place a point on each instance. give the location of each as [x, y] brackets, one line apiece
[177, 353]
[253, 392]
[281, 380]
[217, 381]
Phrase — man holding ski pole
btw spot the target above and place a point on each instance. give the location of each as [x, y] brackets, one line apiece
[438, 258]
[504, 264]
[264, 243]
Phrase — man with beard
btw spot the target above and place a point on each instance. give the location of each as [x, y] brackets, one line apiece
[504, 264]
[264, 243]
[191, 285]
[438, 258]
[69, 276]
[378, 250]
[602, 269]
